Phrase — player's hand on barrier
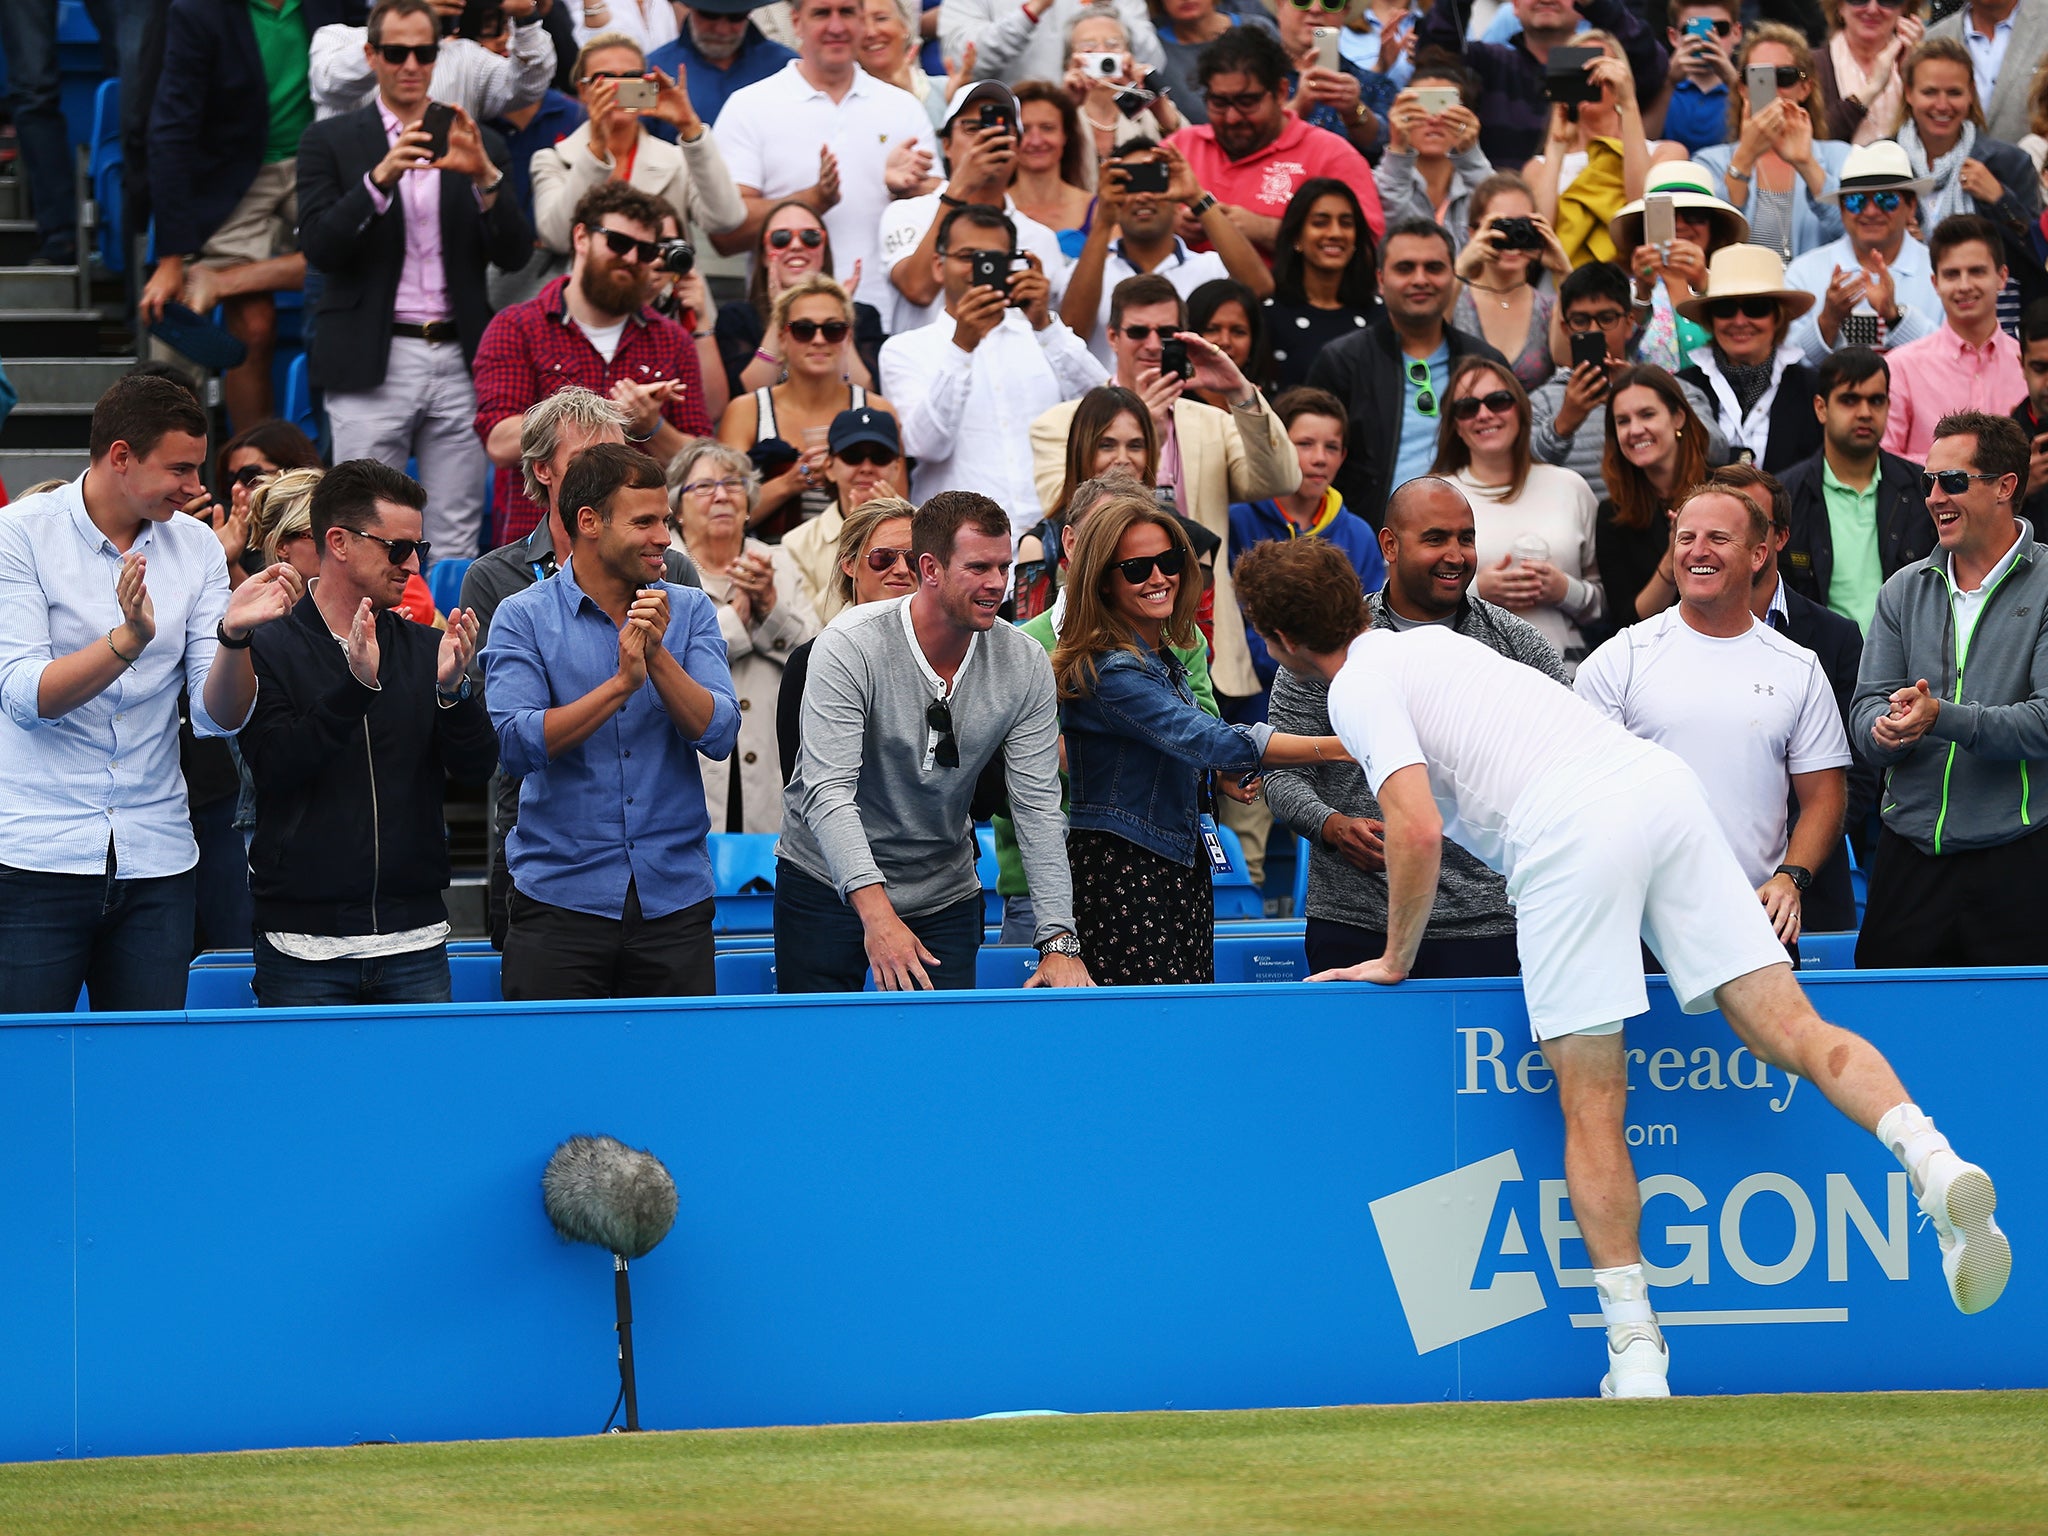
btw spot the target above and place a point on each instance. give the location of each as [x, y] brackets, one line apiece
[1380, 972]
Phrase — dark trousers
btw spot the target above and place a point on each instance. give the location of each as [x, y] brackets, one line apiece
[28, 36]
[226, 915]
[820, 945]
[552, 952]
[418, 976]
[1333, 945]
[1985, 907]
[127, 942]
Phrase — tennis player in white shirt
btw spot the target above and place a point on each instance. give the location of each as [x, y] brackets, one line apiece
[1603, 838]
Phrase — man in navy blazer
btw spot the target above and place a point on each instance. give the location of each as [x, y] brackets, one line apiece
[404, 240]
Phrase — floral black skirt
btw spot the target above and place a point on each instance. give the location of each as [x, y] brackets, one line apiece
[1143, 920]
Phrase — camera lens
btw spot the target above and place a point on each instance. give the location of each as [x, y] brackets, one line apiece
[677, 256]
[1106, 65]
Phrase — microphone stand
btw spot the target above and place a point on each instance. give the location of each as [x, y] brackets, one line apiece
[622, 1292]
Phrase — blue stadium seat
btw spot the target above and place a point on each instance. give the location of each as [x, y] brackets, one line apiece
[444, 580]
[219, 986]
[1265, 957]
[105, 165]
[986, 871]
[81, 68]
[1004, 967]
[1827, 951]
[297, 405]
[1300, 878]
[743, 882]
[1236, 897]
[744, 971]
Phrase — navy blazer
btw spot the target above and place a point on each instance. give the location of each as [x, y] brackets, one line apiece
[209, 124]
[1905, 532]
[362, 251]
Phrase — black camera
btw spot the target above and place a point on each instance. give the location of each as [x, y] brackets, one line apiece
[991, 269]
[677, 257]
[1565, 80]
[1145, 176]
[1173, 358]
[1518, 234]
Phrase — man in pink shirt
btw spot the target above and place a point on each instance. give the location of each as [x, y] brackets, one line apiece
[1967, 365]
[1253, 152]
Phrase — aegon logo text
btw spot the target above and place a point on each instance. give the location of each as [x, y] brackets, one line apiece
[1461, 1260]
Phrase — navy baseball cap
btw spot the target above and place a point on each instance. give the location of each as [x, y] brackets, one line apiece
[864, 426]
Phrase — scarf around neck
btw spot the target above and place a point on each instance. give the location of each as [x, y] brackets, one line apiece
[1747, 380]
[1947, 195]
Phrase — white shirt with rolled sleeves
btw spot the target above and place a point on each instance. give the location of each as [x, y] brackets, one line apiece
[109, 768]
[771, 132]
[1507, 749]
[1746, 713]
[966, 416]
[903, 225]
[466, 74]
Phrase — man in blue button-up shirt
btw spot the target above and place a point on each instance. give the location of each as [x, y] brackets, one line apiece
[604, 683]
[719, 51]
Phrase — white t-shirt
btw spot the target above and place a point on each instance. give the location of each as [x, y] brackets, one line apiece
[771, 131]
[903, 225]
[1556, 507]
[1745, 714]
[604, 337]
[1508, 750]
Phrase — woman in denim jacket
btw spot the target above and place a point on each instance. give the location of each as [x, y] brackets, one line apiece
[1139, 750]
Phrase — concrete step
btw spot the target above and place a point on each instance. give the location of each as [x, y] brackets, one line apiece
[19, 242]
[22, 468]
[38, 287]
[49, 333]
[52, 427]
[64, 380]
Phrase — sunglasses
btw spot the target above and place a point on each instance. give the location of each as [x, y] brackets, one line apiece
[782, 239]
[613, 74]
[1856, 202]
[867, 454]
[881, 559]
[1425, 395]
[1761, 307]
[1138, 569]
[1952, 481]
[249, 474]
[1889, 5]
[807, 331]
[398, 551]
[1465, 407]
[1147, 332]
[396, 54]
[1334, 7]
[940, 718]
[1789, 75]
[1243, 105]
[623, 244]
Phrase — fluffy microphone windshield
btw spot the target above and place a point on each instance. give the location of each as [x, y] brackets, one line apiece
[598, 1190]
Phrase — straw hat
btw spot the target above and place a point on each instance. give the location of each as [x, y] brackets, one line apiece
[1689, 187]
[1879, 167]
[1742, 272]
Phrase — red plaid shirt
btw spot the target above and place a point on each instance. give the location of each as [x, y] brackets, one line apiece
[533, 349]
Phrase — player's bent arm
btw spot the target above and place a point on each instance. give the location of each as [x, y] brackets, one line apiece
[1414, 842]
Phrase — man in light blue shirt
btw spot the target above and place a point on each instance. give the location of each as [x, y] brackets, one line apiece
[611, 870]
[112, 604]
[1877, 276]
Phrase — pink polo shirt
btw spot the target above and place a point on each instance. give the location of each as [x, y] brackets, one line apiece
[422, 282]
[1942, 373]
[1265, 180]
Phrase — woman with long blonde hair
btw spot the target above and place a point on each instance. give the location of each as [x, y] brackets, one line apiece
[1139, 749]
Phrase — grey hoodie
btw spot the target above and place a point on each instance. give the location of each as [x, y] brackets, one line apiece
[1979, 777]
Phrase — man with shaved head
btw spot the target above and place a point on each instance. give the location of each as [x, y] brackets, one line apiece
[1427, 544]
[1602, 837]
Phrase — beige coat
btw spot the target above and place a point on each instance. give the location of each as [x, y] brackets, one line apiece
[1225, 456]
[690, 178]
[756, 655]
[814, 547]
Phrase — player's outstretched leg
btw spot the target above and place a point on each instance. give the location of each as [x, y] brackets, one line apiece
[1778, 1024]
[1592, 1089]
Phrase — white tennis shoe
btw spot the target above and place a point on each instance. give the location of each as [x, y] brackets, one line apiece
[1638, 1362]
[1976, 1258]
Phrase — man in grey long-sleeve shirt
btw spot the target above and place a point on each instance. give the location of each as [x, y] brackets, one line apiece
[1429, 549]
[904, 704]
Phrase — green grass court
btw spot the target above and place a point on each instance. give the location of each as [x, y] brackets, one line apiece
[1953, 1463]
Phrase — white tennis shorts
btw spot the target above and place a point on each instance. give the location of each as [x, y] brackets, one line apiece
[1645, 861]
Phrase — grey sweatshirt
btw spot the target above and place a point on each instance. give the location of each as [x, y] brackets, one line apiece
[1471, 900]
[1581, 452]
[862, 809]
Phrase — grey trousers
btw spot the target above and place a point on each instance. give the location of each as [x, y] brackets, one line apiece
[425, 410]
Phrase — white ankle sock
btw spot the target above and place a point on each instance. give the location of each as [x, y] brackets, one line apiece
[1624, 1295]
[1911, 1136]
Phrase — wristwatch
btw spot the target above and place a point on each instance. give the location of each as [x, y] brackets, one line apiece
[220, 633]
[1061, 944]
[1202, 204]
[1800, 878]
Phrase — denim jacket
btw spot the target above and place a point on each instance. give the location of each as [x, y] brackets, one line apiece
[1137, 747]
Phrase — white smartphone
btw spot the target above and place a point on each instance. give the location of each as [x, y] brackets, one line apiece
[1660, 219]
[1763, 86]
[1326, 48]
[1436, 100]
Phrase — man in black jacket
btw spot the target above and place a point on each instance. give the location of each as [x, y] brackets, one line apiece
[360, 716]
[404, 241]
[1393, 375]
[1857, 512]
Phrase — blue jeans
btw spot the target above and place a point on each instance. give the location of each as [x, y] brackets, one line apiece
[820, 945]
[127, 942]
[420, 976]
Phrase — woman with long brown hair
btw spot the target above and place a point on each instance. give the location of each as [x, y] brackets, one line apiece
[1139, 750]
[1656, 452]
[1111, 431]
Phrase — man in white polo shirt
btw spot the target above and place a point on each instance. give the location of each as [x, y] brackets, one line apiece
[826, 131]
[1750, 711]
[1603, 838]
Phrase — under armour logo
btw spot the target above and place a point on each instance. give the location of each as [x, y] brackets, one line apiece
[1762, 688]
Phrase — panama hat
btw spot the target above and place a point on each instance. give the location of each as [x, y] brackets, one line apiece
[1879, 167]
[1689, 187]
[1745, 272]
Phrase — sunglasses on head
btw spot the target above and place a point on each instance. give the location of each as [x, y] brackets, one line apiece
[807, 331]
[623, 244]
[1952, 481]
[867, 454]
[1759, 307]
[882, 559]
[397, 551]
[1465, 407]
[396, 54]
[782, 239]
[1138, 569]
[940, 718]
[1425, 396]
[1856, 202]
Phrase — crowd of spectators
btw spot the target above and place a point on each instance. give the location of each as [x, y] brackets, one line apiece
[798, 349]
